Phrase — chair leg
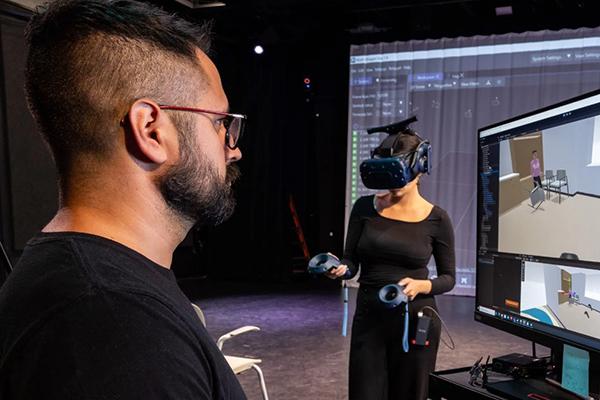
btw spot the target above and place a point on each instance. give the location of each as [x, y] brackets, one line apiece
[263, 385]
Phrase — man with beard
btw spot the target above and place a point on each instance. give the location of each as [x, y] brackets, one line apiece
[136, 119]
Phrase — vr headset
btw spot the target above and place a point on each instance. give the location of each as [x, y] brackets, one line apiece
[388, 170]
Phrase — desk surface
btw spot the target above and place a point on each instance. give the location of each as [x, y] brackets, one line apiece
[454, 384]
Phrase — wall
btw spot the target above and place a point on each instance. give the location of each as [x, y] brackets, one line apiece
[521, 149]
[511, 193]
[506, 163]
[570, 147]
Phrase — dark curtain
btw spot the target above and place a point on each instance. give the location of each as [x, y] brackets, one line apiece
[294, 145]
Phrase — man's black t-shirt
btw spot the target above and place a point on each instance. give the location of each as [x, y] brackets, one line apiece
[83, 317]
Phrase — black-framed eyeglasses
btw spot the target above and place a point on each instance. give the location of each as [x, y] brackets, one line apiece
[233, 123]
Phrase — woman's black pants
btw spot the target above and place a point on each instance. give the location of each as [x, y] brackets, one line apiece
[379, 368]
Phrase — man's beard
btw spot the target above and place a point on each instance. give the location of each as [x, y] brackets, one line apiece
[193, 188]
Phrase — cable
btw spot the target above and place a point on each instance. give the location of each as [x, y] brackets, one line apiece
[345, 321]
[443, 326]
[405, 336]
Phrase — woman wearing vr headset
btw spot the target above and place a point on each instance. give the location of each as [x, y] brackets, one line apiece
[392, 236]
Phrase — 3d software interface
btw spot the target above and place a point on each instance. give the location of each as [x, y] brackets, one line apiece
[388, 86]
[539, 263]
[548, 297]
[456, 86]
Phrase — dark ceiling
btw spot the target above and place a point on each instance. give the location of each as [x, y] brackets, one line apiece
[286, 21]
[361, 21]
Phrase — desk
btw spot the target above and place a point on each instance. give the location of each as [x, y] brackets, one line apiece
[454, 384]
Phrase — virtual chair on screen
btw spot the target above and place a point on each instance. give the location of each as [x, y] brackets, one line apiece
[548, 179]
[238, 364]
[537, 197]
[560, 181]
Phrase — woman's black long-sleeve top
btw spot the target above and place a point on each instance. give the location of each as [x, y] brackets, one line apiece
[389, 250]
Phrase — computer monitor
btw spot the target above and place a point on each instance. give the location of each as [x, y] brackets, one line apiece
[538, 224]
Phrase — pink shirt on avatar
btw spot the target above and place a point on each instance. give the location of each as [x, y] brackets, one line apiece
[535, 167]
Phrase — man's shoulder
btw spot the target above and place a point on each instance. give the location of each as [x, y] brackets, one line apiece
[48, 273]
[136, 342]
[93, 259]
[64, 266]
[61, 274]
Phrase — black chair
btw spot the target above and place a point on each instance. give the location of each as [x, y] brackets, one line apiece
[569, 256]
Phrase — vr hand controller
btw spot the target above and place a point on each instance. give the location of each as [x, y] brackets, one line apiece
[325, 262]
[393, 296]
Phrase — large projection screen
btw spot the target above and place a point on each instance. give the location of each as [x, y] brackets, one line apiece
[456, 86]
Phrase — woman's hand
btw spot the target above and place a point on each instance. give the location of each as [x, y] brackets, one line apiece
[412, 287]
[337, 272]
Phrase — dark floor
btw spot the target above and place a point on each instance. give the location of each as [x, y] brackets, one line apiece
[304, 354]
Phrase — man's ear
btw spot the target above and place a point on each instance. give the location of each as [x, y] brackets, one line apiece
[148, 132]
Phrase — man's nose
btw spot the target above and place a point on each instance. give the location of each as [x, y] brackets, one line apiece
[233, 155]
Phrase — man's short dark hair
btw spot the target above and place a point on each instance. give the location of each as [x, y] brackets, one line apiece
[88, 60]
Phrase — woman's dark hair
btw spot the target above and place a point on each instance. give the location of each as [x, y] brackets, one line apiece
[401, 143]
[406, 143]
